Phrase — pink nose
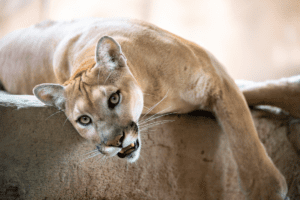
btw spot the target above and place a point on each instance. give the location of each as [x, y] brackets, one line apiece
[130, 131]
[117, 142]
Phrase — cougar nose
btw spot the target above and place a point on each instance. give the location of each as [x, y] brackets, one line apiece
[117, 142]
[129, 132]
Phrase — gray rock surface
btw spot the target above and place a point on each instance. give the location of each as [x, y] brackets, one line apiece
[43, 157]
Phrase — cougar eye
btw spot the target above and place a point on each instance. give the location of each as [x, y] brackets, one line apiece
[114, 99]
[84, 120]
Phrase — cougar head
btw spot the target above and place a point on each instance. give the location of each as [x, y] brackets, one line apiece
[103, 102]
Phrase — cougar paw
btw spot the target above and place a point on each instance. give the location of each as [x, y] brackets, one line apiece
[272, 188]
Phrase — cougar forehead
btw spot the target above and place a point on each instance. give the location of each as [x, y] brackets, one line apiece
[94, 100]
[99, 92]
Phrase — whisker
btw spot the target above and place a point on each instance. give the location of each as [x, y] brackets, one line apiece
[134, 77]
[146, 107]
[151, 121]
[155, 105]
[144, 131]
[155, 124]
[107, 77]
[66, 120]
[97, 153]
[156, 118]
[149, 94]
[90, 152]
[158, 122]
[105, 159]
[53, 114]
[153, 116]
[100, 157]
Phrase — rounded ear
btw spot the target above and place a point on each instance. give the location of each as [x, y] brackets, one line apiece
[109, 53]
[51, 94]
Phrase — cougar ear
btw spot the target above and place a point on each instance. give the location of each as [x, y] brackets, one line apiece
[51, 94]
[109, 53]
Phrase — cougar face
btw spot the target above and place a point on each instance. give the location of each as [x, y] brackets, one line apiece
[103, 102]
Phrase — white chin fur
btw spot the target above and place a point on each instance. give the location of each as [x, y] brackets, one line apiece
[135, 156]
[128, 140]
[111, 151]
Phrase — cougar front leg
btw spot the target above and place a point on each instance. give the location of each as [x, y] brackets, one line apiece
[259, 177]
[283, 93]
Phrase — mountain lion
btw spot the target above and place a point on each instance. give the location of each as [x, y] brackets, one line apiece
[104, 74]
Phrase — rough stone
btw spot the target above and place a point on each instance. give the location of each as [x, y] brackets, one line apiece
[43, 157]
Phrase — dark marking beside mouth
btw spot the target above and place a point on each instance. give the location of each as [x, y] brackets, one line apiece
[129, 151]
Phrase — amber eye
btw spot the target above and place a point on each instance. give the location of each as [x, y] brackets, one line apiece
[84, 120]
[114, 99]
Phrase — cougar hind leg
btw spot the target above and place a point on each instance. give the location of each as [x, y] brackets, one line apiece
[259, 177]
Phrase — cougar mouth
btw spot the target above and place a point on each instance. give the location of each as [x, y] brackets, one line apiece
[127, 151]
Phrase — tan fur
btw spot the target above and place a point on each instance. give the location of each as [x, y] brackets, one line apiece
[150, 66]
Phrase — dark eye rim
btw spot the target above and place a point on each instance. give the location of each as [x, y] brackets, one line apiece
[83, 124]
[113, 105]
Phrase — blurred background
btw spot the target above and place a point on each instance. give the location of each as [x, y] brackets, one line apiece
[255, 40]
